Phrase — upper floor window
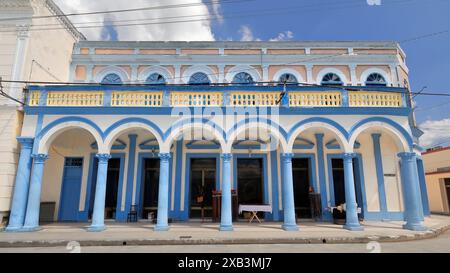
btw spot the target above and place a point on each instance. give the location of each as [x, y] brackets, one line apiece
[156, 78]
[112, 78]
[375, 79]
[331, 79]
[199, 78]
[242, 78]
[288, 78]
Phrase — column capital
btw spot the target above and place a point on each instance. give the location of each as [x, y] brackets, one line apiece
[39, 158]
[287, 156]
[319, 135]
[132, 136]
[349, 156]
[376, 136]
[226, 156]
[103, 158]
[23, 31]
[164, 156]
[407, 155]
[26, 142]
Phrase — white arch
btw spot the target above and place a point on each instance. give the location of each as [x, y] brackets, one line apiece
[47, 139]
[165, 147]
[322, 125]
[369, 71]
[112, 69]
[242, 68]
[258, 126]
[401, 142]
[118, 131]
[199, 68]
[156, 69]
[327, 70]
[277, 75]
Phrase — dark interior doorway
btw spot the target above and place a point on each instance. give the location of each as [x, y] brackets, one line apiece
[150, 188]
[250, 181]
[301, 177]
[112, 188]
[447, 187]
[203, 183]
[339, 182]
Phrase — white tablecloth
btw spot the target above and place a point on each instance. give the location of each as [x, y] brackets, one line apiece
[265, 208]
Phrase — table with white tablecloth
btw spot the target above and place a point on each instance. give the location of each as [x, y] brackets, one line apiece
[254, 209]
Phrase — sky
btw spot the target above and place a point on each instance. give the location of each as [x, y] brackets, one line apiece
[428, 58]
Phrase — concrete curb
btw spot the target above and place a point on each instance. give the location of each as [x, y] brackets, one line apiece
[432, 233]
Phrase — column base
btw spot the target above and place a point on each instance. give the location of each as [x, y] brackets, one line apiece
[13, 229]
[353, 227]
[226, 228]
[415, 226]
[30, 229]
[161, 228]
[290, 227]
[96, 228]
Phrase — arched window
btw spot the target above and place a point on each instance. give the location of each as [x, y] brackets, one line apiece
[112, 78]
[199, 78]
[156, 78]
[242, 78]
[375, 79]
[288, 78]
[331, 79]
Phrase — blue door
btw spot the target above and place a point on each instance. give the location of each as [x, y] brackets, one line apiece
[71, 187]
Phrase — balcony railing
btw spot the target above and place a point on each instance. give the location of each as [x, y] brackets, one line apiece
[127, 98]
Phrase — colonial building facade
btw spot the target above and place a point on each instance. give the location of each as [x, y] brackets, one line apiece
[152, 126]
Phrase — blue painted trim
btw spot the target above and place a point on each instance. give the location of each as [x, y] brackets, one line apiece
[423, 187]
[318, 119]
[334, 145]
[268, 216]
[37, 139]
[193, 144]
[277, 214]
[130, 171]
[121, 146]
[185, 213]
[380, 172]
[69, 119]
[326, 215]
[63, 187]
[247, 121]
[132, 120]
[178, 168]
[192, 121]
[150, 140]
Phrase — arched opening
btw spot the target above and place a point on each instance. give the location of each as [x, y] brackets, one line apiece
[111, 78]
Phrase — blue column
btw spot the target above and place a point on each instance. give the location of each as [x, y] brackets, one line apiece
[226, 214]
[423, 187]
[411, 192]
[19, 202]
[288, 193]
[380, 174]
[322, 182]
[351, 207]
[34, 195]
[98, 215]
[163, 194]
[130, 172]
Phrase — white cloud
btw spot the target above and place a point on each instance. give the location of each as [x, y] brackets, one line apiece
[283, 36]
[246, 33]
[186, 31]
[435, 132]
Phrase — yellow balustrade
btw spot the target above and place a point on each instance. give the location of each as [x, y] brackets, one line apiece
[196, 99]
[315, 99]
[374, 99]
[139, 99]
[34, 98]
[254, 98]
[79, 98]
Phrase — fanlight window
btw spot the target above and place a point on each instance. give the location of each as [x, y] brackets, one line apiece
[332, 79]
[242, 78]
[288, 78]
[112, 78]
[156, 78]
[376, 79]
[199, 78]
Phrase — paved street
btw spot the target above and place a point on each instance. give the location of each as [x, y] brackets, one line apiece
[440, 244]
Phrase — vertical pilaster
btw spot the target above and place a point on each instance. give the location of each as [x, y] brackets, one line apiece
[309, 73]
[321, 165]
[98, 216]
[163, 194]
[411, 192]
[34, 195]
[288, 193]
[21, 186]
[380, 174]
[130, 173]
[221, 73]
[353, 77]
[19, 59]
[351, 207]
[226, 210]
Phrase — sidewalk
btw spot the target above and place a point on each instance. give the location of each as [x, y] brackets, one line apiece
[207, 233]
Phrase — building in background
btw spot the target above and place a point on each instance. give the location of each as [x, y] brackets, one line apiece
[156, 127]
[437, 172]
[26, 54]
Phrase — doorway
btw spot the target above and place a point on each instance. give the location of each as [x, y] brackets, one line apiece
[250, 181]
[149, 203]
[202, 184]
[447, 188]
[70, 189]
[301, 177]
